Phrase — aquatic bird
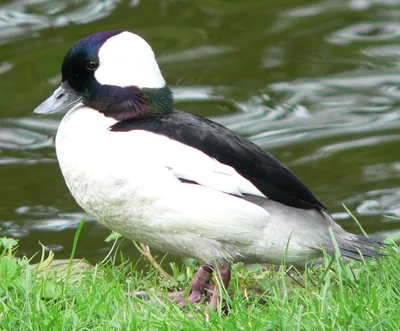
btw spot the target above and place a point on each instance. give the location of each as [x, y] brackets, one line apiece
[178, 182]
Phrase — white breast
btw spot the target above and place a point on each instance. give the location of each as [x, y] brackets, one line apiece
[128, 182]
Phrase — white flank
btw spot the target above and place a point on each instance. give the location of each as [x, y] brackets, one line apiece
[128, 60]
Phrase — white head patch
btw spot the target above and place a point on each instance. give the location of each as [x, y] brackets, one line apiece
[128, 60]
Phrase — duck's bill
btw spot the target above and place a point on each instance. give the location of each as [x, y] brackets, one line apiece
[63, 98]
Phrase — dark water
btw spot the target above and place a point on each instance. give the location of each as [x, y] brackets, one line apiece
[317, 83]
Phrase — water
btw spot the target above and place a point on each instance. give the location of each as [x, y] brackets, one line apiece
[317, 83]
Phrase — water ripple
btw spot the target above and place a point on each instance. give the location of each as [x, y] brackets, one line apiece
[5, 67]
[377, 202]
[381, 172]
[365, 31]
[41, 218]
[92, 11]
[20, 139]
[330, 149]
[20, 18]
[191, 54]
[356, 104]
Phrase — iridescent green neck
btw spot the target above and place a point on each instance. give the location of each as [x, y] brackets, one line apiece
[122, 103]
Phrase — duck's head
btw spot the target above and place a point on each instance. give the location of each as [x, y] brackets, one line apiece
[114, 72]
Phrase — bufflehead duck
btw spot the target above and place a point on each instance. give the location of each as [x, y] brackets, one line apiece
[178, 182]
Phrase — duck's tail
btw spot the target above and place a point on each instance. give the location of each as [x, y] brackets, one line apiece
[357, 247]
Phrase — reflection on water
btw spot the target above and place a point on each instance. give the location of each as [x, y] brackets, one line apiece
[19, 18]
[379, 201]
[316, 84]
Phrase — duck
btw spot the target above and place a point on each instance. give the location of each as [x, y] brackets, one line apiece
[177, 182]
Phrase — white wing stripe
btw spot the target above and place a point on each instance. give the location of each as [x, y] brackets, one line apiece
[192, 164]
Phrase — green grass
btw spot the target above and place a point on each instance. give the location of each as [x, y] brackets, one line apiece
[72, 295]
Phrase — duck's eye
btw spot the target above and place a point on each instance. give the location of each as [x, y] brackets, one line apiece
[92, 65]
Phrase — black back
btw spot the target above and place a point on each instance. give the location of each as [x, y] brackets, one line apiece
[265, 172]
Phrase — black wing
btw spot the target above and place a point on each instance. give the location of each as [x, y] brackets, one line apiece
[264, 171]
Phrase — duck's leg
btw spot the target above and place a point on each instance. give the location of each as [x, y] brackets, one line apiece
[201, 280]
[213, 290]
[201, 287]
[200, 283]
